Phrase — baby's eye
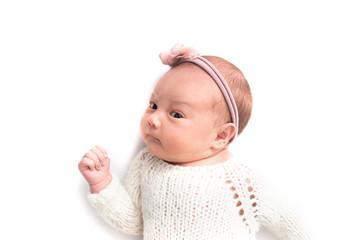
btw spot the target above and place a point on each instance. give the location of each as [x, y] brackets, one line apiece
[153, 106]
[176, 115]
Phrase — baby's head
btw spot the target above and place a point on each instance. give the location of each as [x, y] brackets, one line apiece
[188, 118]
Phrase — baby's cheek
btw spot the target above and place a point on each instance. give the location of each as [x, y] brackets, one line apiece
[177, 139]
[174, 138]
[183, 143]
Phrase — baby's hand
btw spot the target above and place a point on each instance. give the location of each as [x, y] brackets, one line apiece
[95, 167]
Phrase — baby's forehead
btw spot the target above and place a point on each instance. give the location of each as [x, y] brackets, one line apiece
[188, 81]
[188, 77]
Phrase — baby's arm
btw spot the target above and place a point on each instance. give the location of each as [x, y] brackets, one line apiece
[118, 205]
[285, 224]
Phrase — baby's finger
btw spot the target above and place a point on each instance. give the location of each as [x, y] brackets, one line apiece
[100, 155]
[95, 159]
[87, 163]
[102, 150]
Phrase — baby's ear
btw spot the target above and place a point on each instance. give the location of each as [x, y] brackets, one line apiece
[225, 133]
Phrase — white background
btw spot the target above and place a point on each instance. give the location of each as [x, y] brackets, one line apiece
[78, 73]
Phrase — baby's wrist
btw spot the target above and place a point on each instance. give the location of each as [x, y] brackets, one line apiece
[98, 187]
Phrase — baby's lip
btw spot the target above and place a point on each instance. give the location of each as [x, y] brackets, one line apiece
[152, 138]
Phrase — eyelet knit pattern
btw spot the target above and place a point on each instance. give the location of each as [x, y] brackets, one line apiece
[164, 201]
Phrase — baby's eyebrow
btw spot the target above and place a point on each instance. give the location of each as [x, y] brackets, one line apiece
[181, 102]
[174, 101]
[153, 95]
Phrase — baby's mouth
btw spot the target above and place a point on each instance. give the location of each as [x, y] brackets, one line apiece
[153, 139]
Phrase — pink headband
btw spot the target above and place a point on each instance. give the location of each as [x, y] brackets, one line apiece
[178, 54]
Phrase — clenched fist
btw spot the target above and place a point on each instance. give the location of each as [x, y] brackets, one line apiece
[95, 167]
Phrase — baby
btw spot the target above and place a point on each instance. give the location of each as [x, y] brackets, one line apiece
[186, 184]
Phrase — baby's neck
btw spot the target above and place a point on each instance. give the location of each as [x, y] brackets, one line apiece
[219, 157]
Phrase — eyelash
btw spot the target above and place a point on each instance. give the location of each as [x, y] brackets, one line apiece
[153, 106]
[173, 114]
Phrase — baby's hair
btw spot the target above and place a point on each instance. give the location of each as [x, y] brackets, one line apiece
[239, 88]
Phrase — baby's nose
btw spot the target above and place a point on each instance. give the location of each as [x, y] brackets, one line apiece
[154, 121]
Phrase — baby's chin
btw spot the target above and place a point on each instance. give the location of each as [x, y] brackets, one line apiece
[166, 157]
[157, 150]
[154, 146]
[176, 157]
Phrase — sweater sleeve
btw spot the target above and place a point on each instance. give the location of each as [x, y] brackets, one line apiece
[120, 203]
[282, 222]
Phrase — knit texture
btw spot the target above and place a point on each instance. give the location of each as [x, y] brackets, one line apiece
[164, 201]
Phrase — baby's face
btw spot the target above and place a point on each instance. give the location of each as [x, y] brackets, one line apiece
[180, 123]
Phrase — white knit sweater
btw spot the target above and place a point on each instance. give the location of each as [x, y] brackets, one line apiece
[164, 201]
